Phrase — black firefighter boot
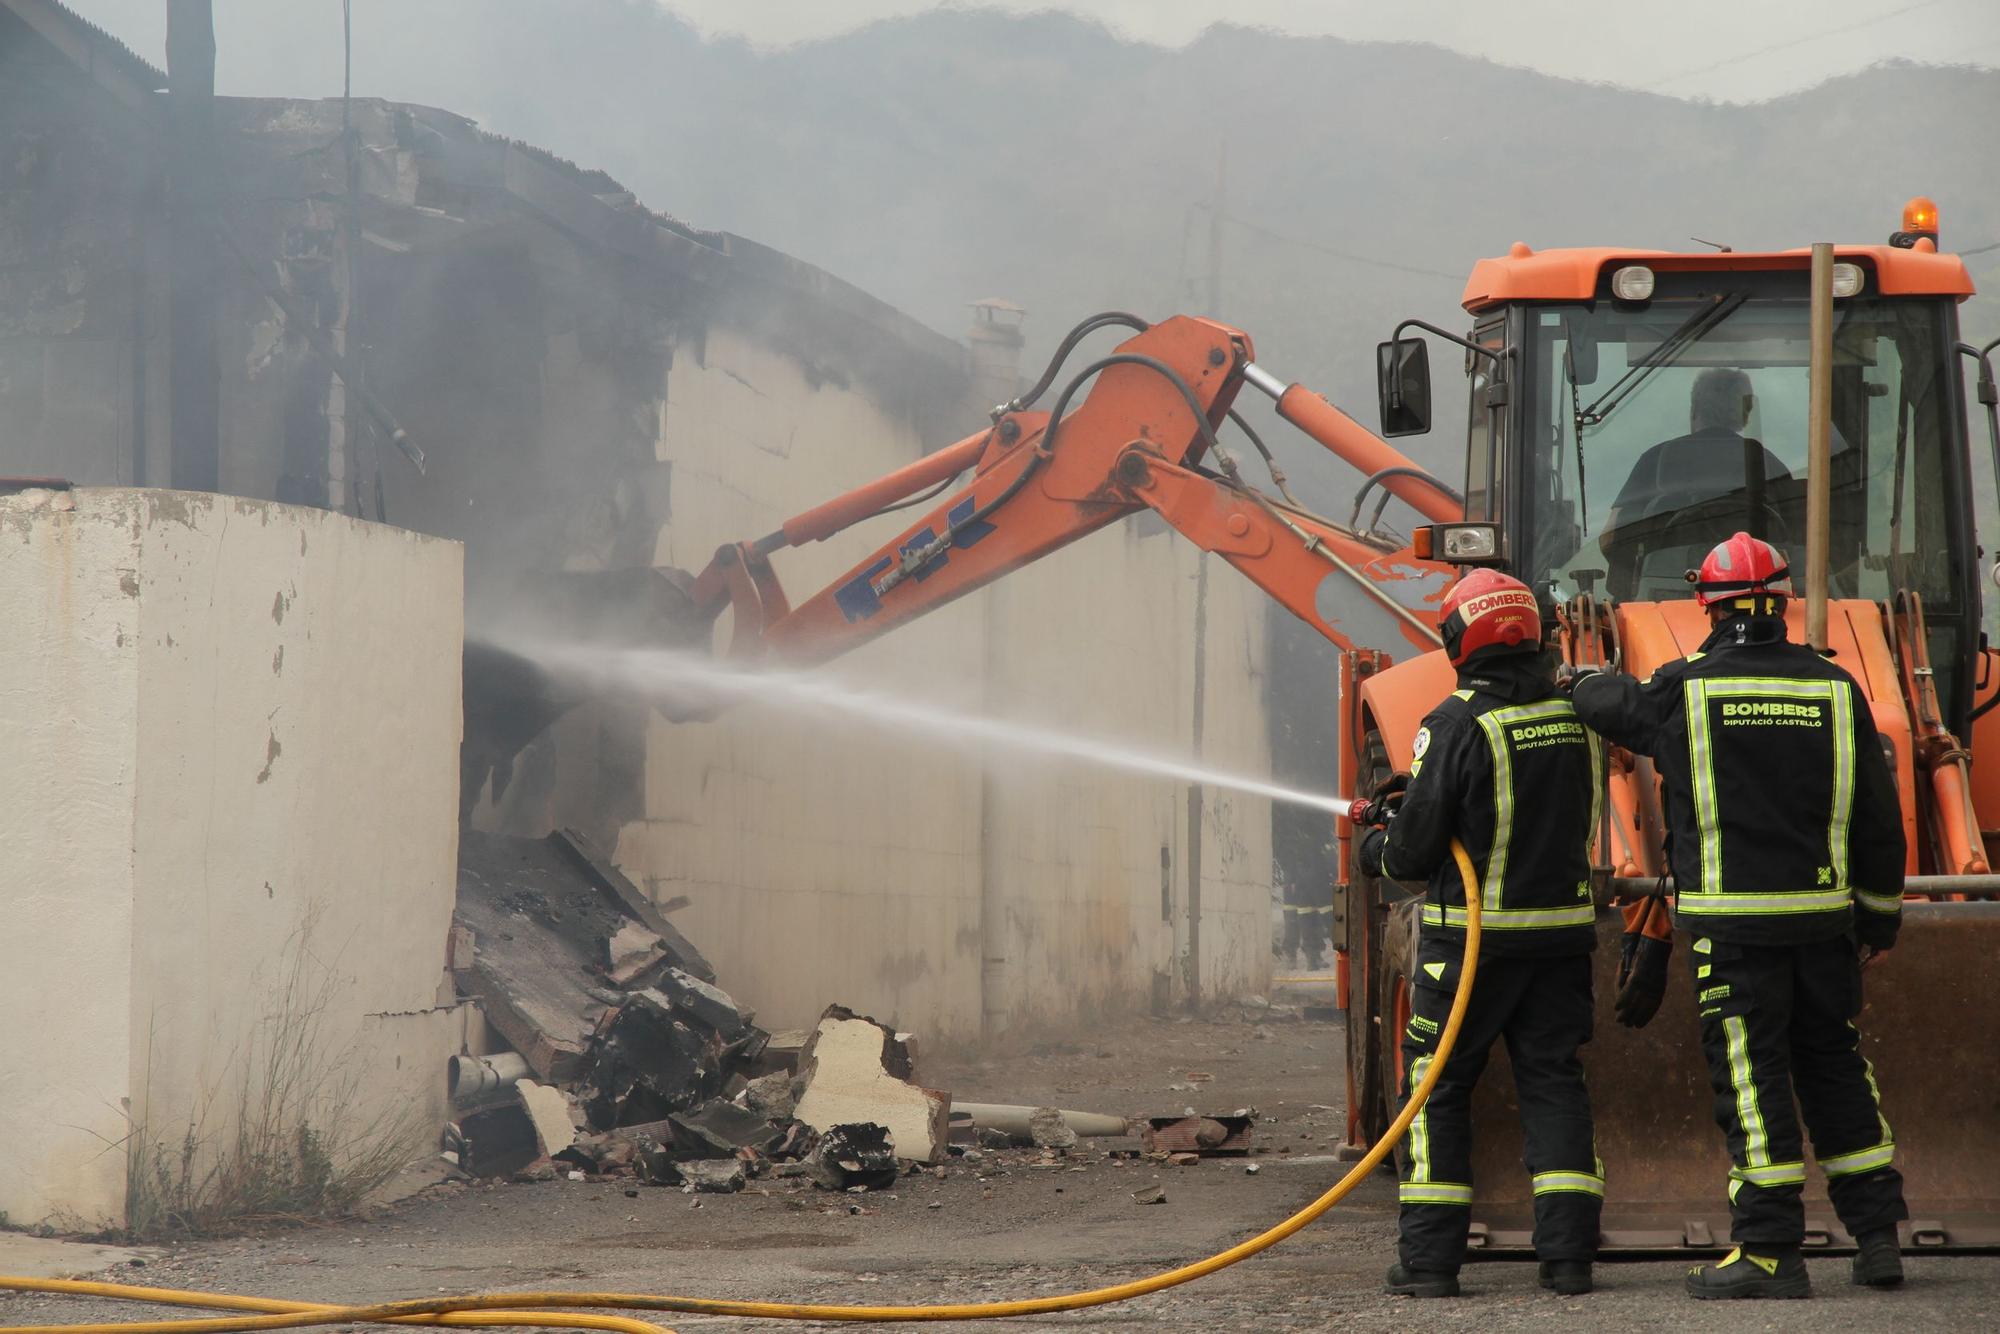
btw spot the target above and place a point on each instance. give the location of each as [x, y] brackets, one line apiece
[1402, 1282]
[1878, 1263]
[1566, 1278]
[1775, 1272]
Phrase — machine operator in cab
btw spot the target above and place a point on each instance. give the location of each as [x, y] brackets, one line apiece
[1785, 838]
[1503, 766]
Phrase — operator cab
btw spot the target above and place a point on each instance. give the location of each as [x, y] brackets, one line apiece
[1629, 410]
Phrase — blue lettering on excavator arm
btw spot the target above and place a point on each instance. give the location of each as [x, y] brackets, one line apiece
[858, 599]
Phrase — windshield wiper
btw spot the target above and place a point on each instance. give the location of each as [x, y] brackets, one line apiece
[1691, 330]
[1569, 373]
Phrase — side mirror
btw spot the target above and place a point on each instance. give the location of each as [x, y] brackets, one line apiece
[1403, 384]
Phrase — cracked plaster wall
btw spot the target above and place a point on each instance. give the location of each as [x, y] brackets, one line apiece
[197, 695]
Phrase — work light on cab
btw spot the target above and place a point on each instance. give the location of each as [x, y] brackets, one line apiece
[1634, 282]
[1458, 543]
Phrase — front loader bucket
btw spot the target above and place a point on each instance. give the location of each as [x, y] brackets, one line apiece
[1931, 1025]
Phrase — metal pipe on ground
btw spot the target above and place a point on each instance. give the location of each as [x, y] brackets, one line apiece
[471, 1077]
[1009, 1119]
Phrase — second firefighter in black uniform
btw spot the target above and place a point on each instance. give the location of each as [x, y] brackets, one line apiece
[1785, 835]
[1503, 766]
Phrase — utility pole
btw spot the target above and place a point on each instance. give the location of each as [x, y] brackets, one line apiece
[1819, 442]
[1196, 798]
[1214, 310]
[193, 181]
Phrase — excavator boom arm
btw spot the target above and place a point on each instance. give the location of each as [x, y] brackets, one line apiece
[1039, 481]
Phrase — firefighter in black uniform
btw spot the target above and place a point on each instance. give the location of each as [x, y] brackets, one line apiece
[1502, 765]
[1785, 836]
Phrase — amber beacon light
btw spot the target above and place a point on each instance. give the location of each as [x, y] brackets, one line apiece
[1920, 223]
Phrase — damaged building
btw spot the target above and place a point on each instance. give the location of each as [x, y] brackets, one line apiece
[598, 393]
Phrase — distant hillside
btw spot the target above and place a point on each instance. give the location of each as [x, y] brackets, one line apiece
[964, 154]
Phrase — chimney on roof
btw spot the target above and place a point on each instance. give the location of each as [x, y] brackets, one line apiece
[995, 338]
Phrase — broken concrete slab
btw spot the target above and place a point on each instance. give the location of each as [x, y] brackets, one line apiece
[704, 1002]
[718, 1129]
[715, 1176]
[537, 930]
[1049, 1131]
[1150, 1195]
[583, 856]
[657, 1167]
[647, 1062]
[854, 1071]
[773, 1097]
[854, 1157]
[630, 952]
[548, 1113]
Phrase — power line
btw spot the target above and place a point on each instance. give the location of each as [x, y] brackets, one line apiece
[1796, 41]
[1347, 255]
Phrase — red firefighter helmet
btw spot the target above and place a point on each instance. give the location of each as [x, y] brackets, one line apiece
[1743, 567]
[1488, 613]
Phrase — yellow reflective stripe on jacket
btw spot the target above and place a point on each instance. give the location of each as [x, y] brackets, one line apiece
[1843, 780]
[1582, 1183]
[1701, 759]
[1787, 901]
[1503, 808]
[1701, 769]
[1861, 1160]
[1512, 919]
[1887, 903]
[1433, 1192]
[1495, 724]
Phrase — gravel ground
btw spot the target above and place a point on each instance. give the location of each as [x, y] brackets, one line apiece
[1014, 1226]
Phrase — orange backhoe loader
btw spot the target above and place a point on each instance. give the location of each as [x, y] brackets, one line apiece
[1627, 409]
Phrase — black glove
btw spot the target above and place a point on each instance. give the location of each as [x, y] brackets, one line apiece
[1642, 978]
[1875, 932]
[1380, 807]
[1569, 674]
[1368, 856]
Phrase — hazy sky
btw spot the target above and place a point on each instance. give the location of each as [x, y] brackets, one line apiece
[1733, 50]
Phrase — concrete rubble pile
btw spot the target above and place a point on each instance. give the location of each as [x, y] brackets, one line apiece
[630, 1062]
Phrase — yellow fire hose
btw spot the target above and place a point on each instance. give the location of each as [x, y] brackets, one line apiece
[536, 1308]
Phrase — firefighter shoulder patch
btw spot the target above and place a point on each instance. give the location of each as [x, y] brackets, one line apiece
[1421, 744]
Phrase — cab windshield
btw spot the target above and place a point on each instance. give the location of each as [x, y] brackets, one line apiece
[1655, 432]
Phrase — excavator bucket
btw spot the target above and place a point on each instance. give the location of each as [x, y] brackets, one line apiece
[1930, 1026]
[510, 699]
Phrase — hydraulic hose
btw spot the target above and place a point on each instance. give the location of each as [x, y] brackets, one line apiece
[1083, 329]
[531, 1308]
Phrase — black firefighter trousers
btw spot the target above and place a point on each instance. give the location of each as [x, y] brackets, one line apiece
[1542, 1007]
[1779, 1019]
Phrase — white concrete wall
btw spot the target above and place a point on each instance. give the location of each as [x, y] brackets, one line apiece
[241, 721]
[824, 864]
[1085, 916]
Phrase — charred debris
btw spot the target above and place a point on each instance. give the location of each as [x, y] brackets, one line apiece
[630, 1061]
